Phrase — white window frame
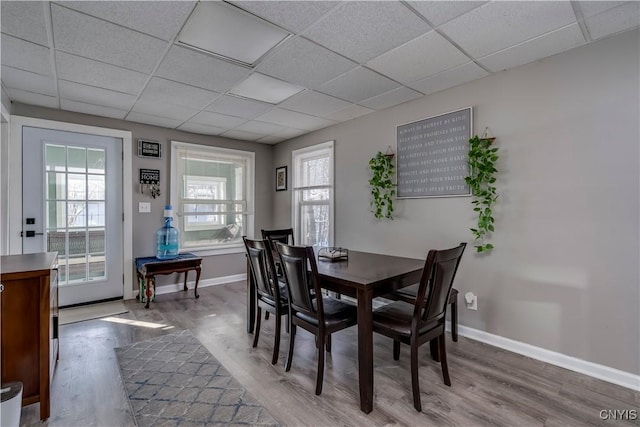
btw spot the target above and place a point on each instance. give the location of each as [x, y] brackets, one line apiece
[219, 182]
[296, 157]
[220, 249]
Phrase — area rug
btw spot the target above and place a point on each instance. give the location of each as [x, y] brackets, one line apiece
[93, 311]
[173, 380]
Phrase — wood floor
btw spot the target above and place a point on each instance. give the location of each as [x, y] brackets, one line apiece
[490, 386]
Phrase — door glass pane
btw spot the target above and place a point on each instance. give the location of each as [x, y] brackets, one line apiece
[77, 159]
[55, 157]
[96, 241]
[56, 186]
[95, 214]
[77, 268]
[77, 187]
[57, 241]
[62, 269]
[77, 242]
[96, 267]
[56, 214]
[76, 214]
[315, 225]
[95, 160]
[95, 187]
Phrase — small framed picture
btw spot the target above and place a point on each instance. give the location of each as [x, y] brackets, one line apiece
[281, 178]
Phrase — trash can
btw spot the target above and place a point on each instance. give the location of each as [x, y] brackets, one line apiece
[11, 404]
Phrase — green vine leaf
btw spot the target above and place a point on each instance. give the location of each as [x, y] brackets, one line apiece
[482, 159]
[382, 187]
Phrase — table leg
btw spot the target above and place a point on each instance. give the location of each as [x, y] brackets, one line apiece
[195, 290]
[365, 349]
[251, 300]
[184, 288]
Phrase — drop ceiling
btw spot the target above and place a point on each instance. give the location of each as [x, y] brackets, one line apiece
[317, 64]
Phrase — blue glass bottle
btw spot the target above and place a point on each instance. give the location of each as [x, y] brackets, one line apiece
[167, 237]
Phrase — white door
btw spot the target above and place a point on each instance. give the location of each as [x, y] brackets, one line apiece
[72, 204]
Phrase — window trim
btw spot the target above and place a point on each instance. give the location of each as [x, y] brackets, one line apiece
[295, 188]
[222, 249]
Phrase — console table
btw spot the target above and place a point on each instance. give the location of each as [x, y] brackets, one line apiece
[147, 268]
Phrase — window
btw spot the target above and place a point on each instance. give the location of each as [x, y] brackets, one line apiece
[313, 195]
[212, 196]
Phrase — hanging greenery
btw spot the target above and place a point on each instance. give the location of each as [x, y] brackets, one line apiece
[382, 187]
[482, 160]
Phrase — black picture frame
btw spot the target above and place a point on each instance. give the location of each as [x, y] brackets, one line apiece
[281, 178]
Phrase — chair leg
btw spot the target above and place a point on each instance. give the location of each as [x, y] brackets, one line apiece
[415, 385]
[443, 360]
[292, 338]
[276, 343]
[256, 333]
[266, 315]
[320, 376]
[433, 346]
[328, 344]
[396, 350]
[454, 320]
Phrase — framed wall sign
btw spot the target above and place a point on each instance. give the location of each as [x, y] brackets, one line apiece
[281, 178]
[432, 156]
[148, 148]
[149, 176]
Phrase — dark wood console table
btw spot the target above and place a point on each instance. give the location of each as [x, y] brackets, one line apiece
[147, 268]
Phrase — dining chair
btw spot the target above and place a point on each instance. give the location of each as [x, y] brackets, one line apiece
[284, 235]
[270, 294]
[308, 308]
[424, 320]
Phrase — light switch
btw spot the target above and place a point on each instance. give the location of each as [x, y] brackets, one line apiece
[144, 207]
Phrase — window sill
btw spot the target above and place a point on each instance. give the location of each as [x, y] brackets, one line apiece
[216, 251]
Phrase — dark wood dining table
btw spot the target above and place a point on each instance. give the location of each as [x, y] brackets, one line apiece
[363, 276]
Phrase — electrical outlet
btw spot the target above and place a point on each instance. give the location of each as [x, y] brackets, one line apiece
[471, 301]
[144, 207]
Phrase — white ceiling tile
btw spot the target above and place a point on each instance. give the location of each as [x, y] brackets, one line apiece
[426, 55]
[270, 140]
[501, 24]
[25, 20]
[31, 98]
[170, 92]
[314, 103]
[153, 120]
[95, 95]
[96, 110]
[613, 21]
[162, 109]
[218, 120]
[201, 129]
[162, 19]
[263, 128]
[354, 29]
[358, 84]
[25, 55]
[590, 8]
[264, 88]
[391, 98]
[197, 69]
[238, 107]
[19, 79]
[289, 133]
[349, 113]
[292, 15]
[294, 119]
[242, 135]
[305, 63]
[450, 78]
[439, 12]
[93, 38]
[551, 43]
[99, 74]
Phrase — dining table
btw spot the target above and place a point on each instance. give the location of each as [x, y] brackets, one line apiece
[363, 276]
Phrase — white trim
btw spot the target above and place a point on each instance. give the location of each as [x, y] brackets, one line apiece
[214, 281]
[236, 249]
[595, 370]
[15, 184]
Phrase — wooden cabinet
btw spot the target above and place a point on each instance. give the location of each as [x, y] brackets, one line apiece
[30, 324]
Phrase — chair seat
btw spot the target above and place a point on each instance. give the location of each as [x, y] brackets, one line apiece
[284, 296]
[397, 317]
[337, 314]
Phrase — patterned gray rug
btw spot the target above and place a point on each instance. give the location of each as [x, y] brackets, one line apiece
[173, 380]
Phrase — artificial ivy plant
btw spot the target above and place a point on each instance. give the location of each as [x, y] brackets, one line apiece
[482, 177]
[382, 187]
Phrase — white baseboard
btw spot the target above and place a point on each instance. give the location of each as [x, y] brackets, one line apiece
[601, 372]
[176, 287]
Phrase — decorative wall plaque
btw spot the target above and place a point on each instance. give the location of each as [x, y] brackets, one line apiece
[148, 148]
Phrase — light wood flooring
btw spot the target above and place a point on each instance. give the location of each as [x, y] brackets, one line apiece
[490, 386]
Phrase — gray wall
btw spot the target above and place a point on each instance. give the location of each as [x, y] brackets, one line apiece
[145, 225]
[6, 102]
[564, 273]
